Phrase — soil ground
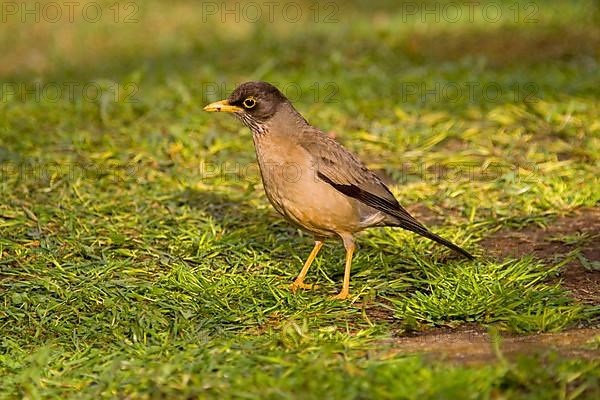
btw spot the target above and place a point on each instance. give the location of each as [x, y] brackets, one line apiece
[471, 344]
[552, 244]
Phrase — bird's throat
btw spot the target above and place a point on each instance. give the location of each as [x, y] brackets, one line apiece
[257, 127]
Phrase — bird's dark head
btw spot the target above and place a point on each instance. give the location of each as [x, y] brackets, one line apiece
[255, 103]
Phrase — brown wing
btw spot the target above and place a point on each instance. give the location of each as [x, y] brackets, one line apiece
[346, 173]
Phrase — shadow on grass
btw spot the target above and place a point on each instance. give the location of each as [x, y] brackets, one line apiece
[226, 208]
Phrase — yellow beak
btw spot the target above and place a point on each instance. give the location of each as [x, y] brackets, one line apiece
[222, 106]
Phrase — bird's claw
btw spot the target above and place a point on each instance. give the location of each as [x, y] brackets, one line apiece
[340, 296]
[301, 285]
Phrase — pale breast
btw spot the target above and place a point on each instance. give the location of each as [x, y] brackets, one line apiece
[295, 191]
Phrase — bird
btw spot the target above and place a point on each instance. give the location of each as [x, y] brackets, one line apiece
[312, 180]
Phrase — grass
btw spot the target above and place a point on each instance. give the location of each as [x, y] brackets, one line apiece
[139, 257]
[507, 294]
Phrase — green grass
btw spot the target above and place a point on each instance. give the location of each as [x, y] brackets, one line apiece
[507, 294]
[139, 257]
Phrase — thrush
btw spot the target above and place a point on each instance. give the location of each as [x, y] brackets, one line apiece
[312, 180]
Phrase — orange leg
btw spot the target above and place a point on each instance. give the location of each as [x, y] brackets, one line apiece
[299, 282]
[350, 246]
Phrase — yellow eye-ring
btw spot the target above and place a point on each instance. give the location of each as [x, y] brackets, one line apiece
[249, 102]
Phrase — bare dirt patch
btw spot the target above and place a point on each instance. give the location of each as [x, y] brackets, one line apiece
[576, 236]
[563, 238]
[472, 345]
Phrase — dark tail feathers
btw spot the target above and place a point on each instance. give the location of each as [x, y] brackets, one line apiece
[446, 243]
[421, 230]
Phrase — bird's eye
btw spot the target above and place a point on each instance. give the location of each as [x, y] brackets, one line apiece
[249, 102]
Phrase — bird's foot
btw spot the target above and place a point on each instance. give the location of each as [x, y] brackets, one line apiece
[343, 295]
[301, 285]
